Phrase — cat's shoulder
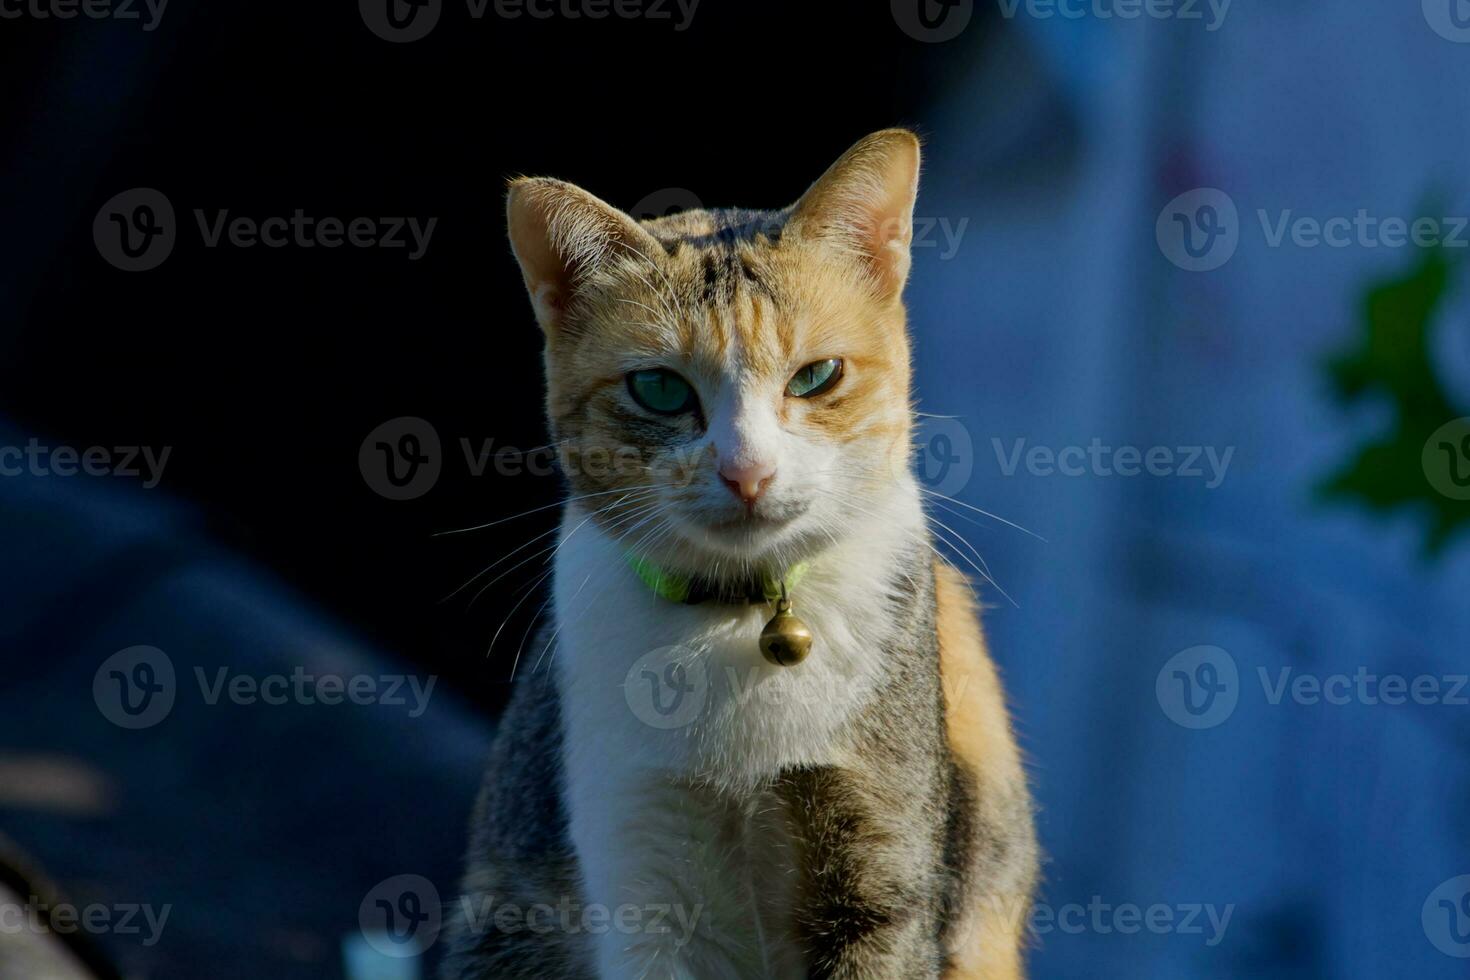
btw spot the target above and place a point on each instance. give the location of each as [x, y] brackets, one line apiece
[976, 718]
[521, 811]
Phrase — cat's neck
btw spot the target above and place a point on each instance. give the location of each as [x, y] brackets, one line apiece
[860, 566]
[753, 719]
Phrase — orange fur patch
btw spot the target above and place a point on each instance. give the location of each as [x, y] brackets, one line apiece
[981, 739]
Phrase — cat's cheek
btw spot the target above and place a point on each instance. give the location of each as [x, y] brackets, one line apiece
[685, 466]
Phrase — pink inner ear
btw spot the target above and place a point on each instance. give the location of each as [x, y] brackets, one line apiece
[547, 300]
[558, 231]
[529, 213]
[890, 250]
[865, 203]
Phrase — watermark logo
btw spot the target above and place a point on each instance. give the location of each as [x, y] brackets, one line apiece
[401, 916]
[946, 455]
[1198, 687]
[673, 688]
[135, 230]
[401, 459]
[485, 914]
[1206, 921]
[1446, 459]
[933, 21]
[400, 21]
[940, 233]
[1211, 12]
[1450, 19]
[667, 688]
[664, 202]
[1446, 917]
[1363, 687]
[302, 230]
[1362, 230]
[135, 688]
[943, 234]
[1207, 463]
[302, 688]
[678, 12]
[1199, 230]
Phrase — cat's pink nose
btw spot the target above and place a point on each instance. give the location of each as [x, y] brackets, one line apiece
[748, 481]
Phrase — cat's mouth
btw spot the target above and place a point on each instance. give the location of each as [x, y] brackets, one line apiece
[743, 534]
[748, 523]
[764, 519]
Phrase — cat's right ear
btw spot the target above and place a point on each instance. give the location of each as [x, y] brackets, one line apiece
[864, 205]
[560, 233]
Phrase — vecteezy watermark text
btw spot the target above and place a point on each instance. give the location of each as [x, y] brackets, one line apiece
[136, 230]
[1201, 229]
[673, 687]
[1102, 918]
[37, 917]
[403, 458]
[1362, 230]
[36, 459]
[936, 21]
[137, 688]
[124, 10]
[304, 231]
[1211, 12]
[300, 687]
[403, 21]
[1363, 687]
[1201, 687]
[571, 916]
[402, 916]
[1208, 463]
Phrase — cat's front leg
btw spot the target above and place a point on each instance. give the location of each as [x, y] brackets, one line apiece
[866, 908]
[663, 869]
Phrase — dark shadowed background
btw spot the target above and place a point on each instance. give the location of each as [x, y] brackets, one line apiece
[1177, 311]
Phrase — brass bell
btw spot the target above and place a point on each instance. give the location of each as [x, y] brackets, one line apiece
[786, 640]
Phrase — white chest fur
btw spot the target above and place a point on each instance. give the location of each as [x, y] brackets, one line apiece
[684, 688]
[658, 697]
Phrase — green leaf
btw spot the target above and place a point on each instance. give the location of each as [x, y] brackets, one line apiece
[1393, 357]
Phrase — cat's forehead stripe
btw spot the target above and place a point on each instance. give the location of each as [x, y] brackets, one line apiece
[737, 305]
[718, 227]
[719, 283]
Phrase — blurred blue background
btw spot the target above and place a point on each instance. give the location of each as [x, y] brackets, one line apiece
[1225, 434]
[1063, 319]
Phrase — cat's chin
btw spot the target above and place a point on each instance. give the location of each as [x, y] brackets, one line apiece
[754, 539]
[746, 527]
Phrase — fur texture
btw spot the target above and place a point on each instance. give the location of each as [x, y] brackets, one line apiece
[666, 802]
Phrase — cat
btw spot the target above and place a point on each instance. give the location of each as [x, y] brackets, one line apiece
[730, 391]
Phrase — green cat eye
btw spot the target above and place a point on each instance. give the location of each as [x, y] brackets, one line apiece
[815, 378]
[661, 391]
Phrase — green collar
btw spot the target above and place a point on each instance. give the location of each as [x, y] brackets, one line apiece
[676, 587]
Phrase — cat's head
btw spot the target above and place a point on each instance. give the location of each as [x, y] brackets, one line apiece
[729, 389]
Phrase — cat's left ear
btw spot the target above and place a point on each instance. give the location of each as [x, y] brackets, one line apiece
[560, 235]
[864, 204]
